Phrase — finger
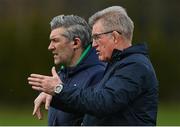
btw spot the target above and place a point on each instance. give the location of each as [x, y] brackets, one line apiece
[48, 101]
[37, 88]
[37, 84]
[38, 114]
[35, 110]
[54, 73]
[47, 105]
[36, 107]
[35, 79]
[37, 76]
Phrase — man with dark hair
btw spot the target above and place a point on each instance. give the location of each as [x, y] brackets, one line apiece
[77, 62]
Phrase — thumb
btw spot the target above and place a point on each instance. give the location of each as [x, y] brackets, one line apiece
[47, 104]
[53, 71]
[48, 101]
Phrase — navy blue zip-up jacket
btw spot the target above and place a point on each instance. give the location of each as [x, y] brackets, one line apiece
[88, 72]
[127, 94]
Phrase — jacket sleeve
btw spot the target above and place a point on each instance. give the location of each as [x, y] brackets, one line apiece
[122, 87]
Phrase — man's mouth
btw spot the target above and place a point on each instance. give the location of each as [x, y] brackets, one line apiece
[97, 52]
[55, 54]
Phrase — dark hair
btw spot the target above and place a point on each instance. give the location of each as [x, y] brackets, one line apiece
[75, 27]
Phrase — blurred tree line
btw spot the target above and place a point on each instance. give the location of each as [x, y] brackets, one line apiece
[24, 38]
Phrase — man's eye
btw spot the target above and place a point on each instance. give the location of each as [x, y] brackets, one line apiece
[55, 40]
[95, 37]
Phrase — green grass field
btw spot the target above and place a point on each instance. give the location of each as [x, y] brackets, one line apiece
[20, 117]
[168, 114]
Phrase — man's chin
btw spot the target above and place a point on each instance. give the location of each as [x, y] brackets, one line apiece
[103, 59]
[56, 62]
[100, 58]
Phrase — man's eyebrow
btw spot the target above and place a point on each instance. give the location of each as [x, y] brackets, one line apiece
[53, 38]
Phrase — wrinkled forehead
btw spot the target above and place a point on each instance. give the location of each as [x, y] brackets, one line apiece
[97, 27]
[57, 32]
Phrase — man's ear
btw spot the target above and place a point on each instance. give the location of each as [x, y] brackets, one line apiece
[76, 43]
[116, 36]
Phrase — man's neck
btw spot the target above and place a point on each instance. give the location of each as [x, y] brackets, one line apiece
[82, 54]
[124, 45]
[77, 55]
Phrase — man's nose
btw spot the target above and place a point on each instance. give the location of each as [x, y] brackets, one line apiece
[50, 47]
[94, 44]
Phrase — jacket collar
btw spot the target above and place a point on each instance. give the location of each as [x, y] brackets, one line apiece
[135, 49]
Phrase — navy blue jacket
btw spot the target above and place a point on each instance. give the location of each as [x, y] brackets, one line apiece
[127, 94]
[88, 72]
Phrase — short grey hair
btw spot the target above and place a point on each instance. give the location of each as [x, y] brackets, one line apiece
[114, 18]
[75, 26]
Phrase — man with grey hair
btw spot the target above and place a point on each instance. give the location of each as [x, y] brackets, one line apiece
[128, 92]
[77, 62]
